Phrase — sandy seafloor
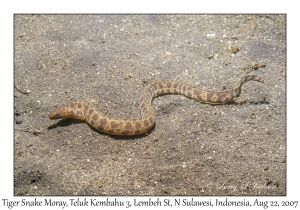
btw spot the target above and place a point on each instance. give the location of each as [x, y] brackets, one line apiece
[108, 60]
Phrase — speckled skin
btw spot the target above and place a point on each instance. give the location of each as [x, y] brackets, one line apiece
[137, 126]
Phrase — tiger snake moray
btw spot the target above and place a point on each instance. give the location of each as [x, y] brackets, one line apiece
[136, 126]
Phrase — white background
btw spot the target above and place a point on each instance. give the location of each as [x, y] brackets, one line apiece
[9, 8]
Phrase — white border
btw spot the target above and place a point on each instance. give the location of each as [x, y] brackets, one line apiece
[153, 6]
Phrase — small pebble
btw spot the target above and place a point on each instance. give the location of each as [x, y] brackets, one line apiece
[19, 119]
[36, 132]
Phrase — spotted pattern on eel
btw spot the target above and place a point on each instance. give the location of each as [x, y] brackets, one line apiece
[137, 126]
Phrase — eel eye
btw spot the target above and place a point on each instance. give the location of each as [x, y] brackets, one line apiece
[57, 115]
